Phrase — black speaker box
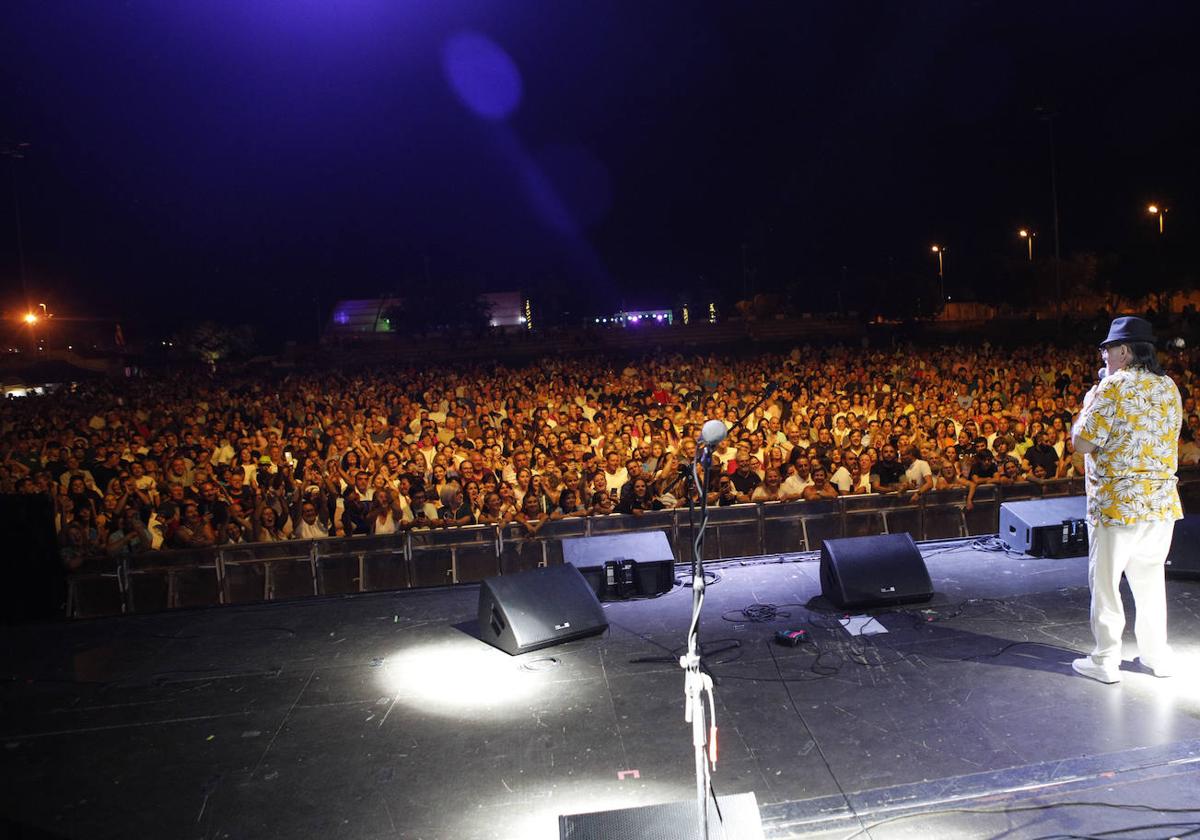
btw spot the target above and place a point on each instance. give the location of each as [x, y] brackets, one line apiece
[537, 609]
[737, 818]
[619, 566]
[1183, 561]
[874, 571]
[1054, 527]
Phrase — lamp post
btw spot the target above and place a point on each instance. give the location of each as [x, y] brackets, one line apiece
[1048, 115]
[33, 319]
[939, 250]
[1155, 210]
[1028, 236]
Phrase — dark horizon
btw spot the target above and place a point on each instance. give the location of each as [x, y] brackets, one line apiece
[253, 163]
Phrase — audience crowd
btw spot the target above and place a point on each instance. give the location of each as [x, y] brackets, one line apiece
[193, 461]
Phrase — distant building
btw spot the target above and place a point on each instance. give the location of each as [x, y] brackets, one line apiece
[364, 316]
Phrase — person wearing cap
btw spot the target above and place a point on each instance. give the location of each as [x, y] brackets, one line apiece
[1128, 431]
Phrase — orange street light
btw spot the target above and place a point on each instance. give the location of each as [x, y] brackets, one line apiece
[1028, 236]
[30, 318]
[1155, 210]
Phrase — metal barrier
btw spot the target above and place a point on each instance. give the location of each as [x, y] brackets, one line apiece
[438, 557]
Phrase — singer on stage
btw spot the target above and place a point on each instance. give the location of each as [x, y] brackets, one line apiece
[1128, 430]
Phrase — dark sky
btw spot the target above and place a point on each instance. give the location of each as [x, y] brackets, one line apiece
[237, 158]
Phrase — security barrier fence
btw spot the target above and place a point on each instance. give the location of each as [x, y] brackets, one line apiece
[246, 573]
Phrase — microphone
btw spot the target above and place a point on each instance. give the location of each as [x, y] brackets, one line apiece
[1103, 372]
[712, 433]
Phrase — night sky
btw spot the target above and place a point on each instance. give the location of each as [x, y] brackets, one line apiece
[254, 161]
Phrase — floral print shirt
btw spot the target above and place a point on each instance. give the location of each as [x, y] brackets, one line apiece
[1134, 422]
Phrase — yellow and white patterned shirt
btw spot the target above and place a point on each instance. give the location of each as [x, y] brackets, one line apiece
[1134, 422]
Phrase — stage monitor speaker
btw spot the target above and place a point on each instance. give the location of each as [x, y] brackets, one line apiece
[738, 819]
[537, 609]
[1183, 561]
[1055, 527]
[620, 566]
[874, 571]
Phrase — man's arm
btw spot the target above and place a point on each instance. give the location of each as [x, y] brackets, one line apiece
[1081, 443]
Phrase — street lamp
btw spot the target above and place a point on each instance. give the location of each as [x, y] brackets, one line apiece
[1028, 236]
[939, 250]
[33, 319]
[1155, 210]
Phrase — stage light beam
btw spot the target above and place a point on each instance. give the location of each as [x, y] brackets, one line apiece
[482, 75]
[455, 676]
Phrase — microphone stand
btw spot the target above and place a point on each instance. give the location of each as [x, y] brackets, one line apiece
[698, 682]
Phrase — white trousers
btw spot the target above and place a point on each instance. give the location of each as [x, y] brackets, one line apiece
[1139, 551]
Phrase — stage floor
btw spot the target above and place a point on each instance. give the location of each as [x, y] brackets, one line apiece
[380, 716]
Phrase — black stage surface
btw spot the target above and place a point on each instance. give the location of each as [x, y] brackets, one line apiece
[380, 716]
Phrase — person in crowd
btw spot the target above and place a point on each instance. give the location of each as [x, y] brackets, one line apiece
[725, 493]
[858, 478]
[771, 489]
[1189, 450]
[1043, 455]
[569, 504]
[313, 522]
[422, 512]
[887, 474]
[918, 476]
[75, 550]
[602, 504]
[531, 517]
[492, 512]
[234, 533]
[455, 509]
[639, 499]
[1009, 473]
[267, 527]
[820, 488]
[983, 468]
[800, 477]
[743, 477]
[195, 528]
[385, 514]
[948, 477]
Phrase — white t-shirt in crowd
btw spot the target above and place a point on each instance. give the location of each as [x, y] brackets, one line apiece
[916, 474]
[794, 485]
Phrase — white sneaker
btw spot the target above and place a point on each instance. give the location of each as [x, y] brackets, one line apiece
[1158, 667]
[1088, 668]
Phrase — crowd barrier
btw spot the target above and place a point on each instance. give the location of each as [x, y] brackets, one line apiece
[437, 557]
